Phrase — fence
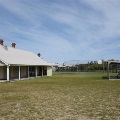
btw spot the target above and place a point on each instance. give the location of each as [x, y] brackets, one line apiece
[82, 66]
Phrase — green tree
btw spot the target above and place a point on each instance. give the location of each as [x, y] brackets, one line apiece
[39, 54]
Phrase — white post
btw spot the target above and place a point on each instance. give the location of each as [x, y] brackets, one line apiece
[28, 71]
[19, 73]
[8, 79]
[36, 71]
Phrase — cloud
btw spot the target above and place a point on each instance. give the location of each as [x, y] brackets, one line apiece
[63, 30]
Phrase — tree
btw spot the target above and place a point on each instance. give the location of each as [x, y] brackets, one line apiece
[39, 54]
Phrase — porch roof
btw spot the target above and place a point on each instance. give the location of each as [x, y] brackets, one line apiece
[114, 62]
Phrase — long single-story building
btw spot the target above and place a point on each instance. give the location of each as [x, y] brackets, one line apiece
[21, 64]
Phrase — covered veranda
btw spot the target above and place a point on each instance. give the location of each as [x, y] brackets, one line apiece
[15, 72]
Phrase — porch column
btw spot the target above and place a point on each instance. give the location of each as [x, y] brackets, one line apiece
[36, 71]
[19, 73]
[8, 79]
[28, 71]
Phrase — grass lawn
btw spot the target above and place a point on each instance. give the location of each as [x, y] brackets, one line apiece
[61, 97]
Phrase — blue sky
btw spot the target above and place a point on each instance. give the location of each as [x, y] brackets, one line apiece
[63, 30]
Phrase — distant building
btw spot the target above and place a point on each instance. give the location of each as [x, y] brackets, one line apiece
[54, 66]
[21, 64]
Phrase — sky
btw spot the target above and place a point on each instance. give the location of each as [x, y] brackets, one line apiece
[63, 30]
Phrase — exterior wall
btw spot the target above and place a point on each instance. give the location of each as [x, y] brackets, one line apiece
[39, 71]
[32, 71]
[49, 71]
[14, 72]
[23, 72]
[3, 72]
[45, 71]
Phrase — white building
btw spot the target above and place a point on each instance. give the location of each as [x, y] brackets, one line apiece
[20, 64]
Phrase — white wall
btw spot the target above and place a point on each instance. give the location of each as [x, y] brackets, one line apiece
[49, 71]
[3, 72]
[24, 71]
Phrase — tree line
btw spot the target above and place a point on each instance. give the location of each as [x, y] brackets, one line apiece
[92, 66]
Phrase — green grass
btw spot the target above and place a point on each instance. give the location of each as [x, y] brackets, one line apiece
[61, 97]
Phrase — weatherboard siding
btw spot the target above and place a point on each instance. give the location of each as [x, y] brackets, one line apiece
[14, 72]
[49, 71]
[3, 72]
[23, 71]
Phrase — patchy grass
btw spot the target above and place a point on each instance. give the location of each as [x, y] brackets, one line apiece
[61, 97]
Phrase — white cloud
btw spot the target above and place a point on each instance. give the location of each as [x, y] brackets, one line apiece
[65, 30]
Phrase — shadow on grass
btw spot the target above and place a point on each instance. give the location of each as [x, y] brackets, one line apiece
[105, 77]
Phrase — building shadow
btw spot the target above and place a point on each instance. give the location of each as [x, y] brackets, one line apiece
[105, 77]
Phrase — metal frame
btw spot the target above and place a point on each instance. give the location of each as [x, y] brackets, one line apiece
[109, 63]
